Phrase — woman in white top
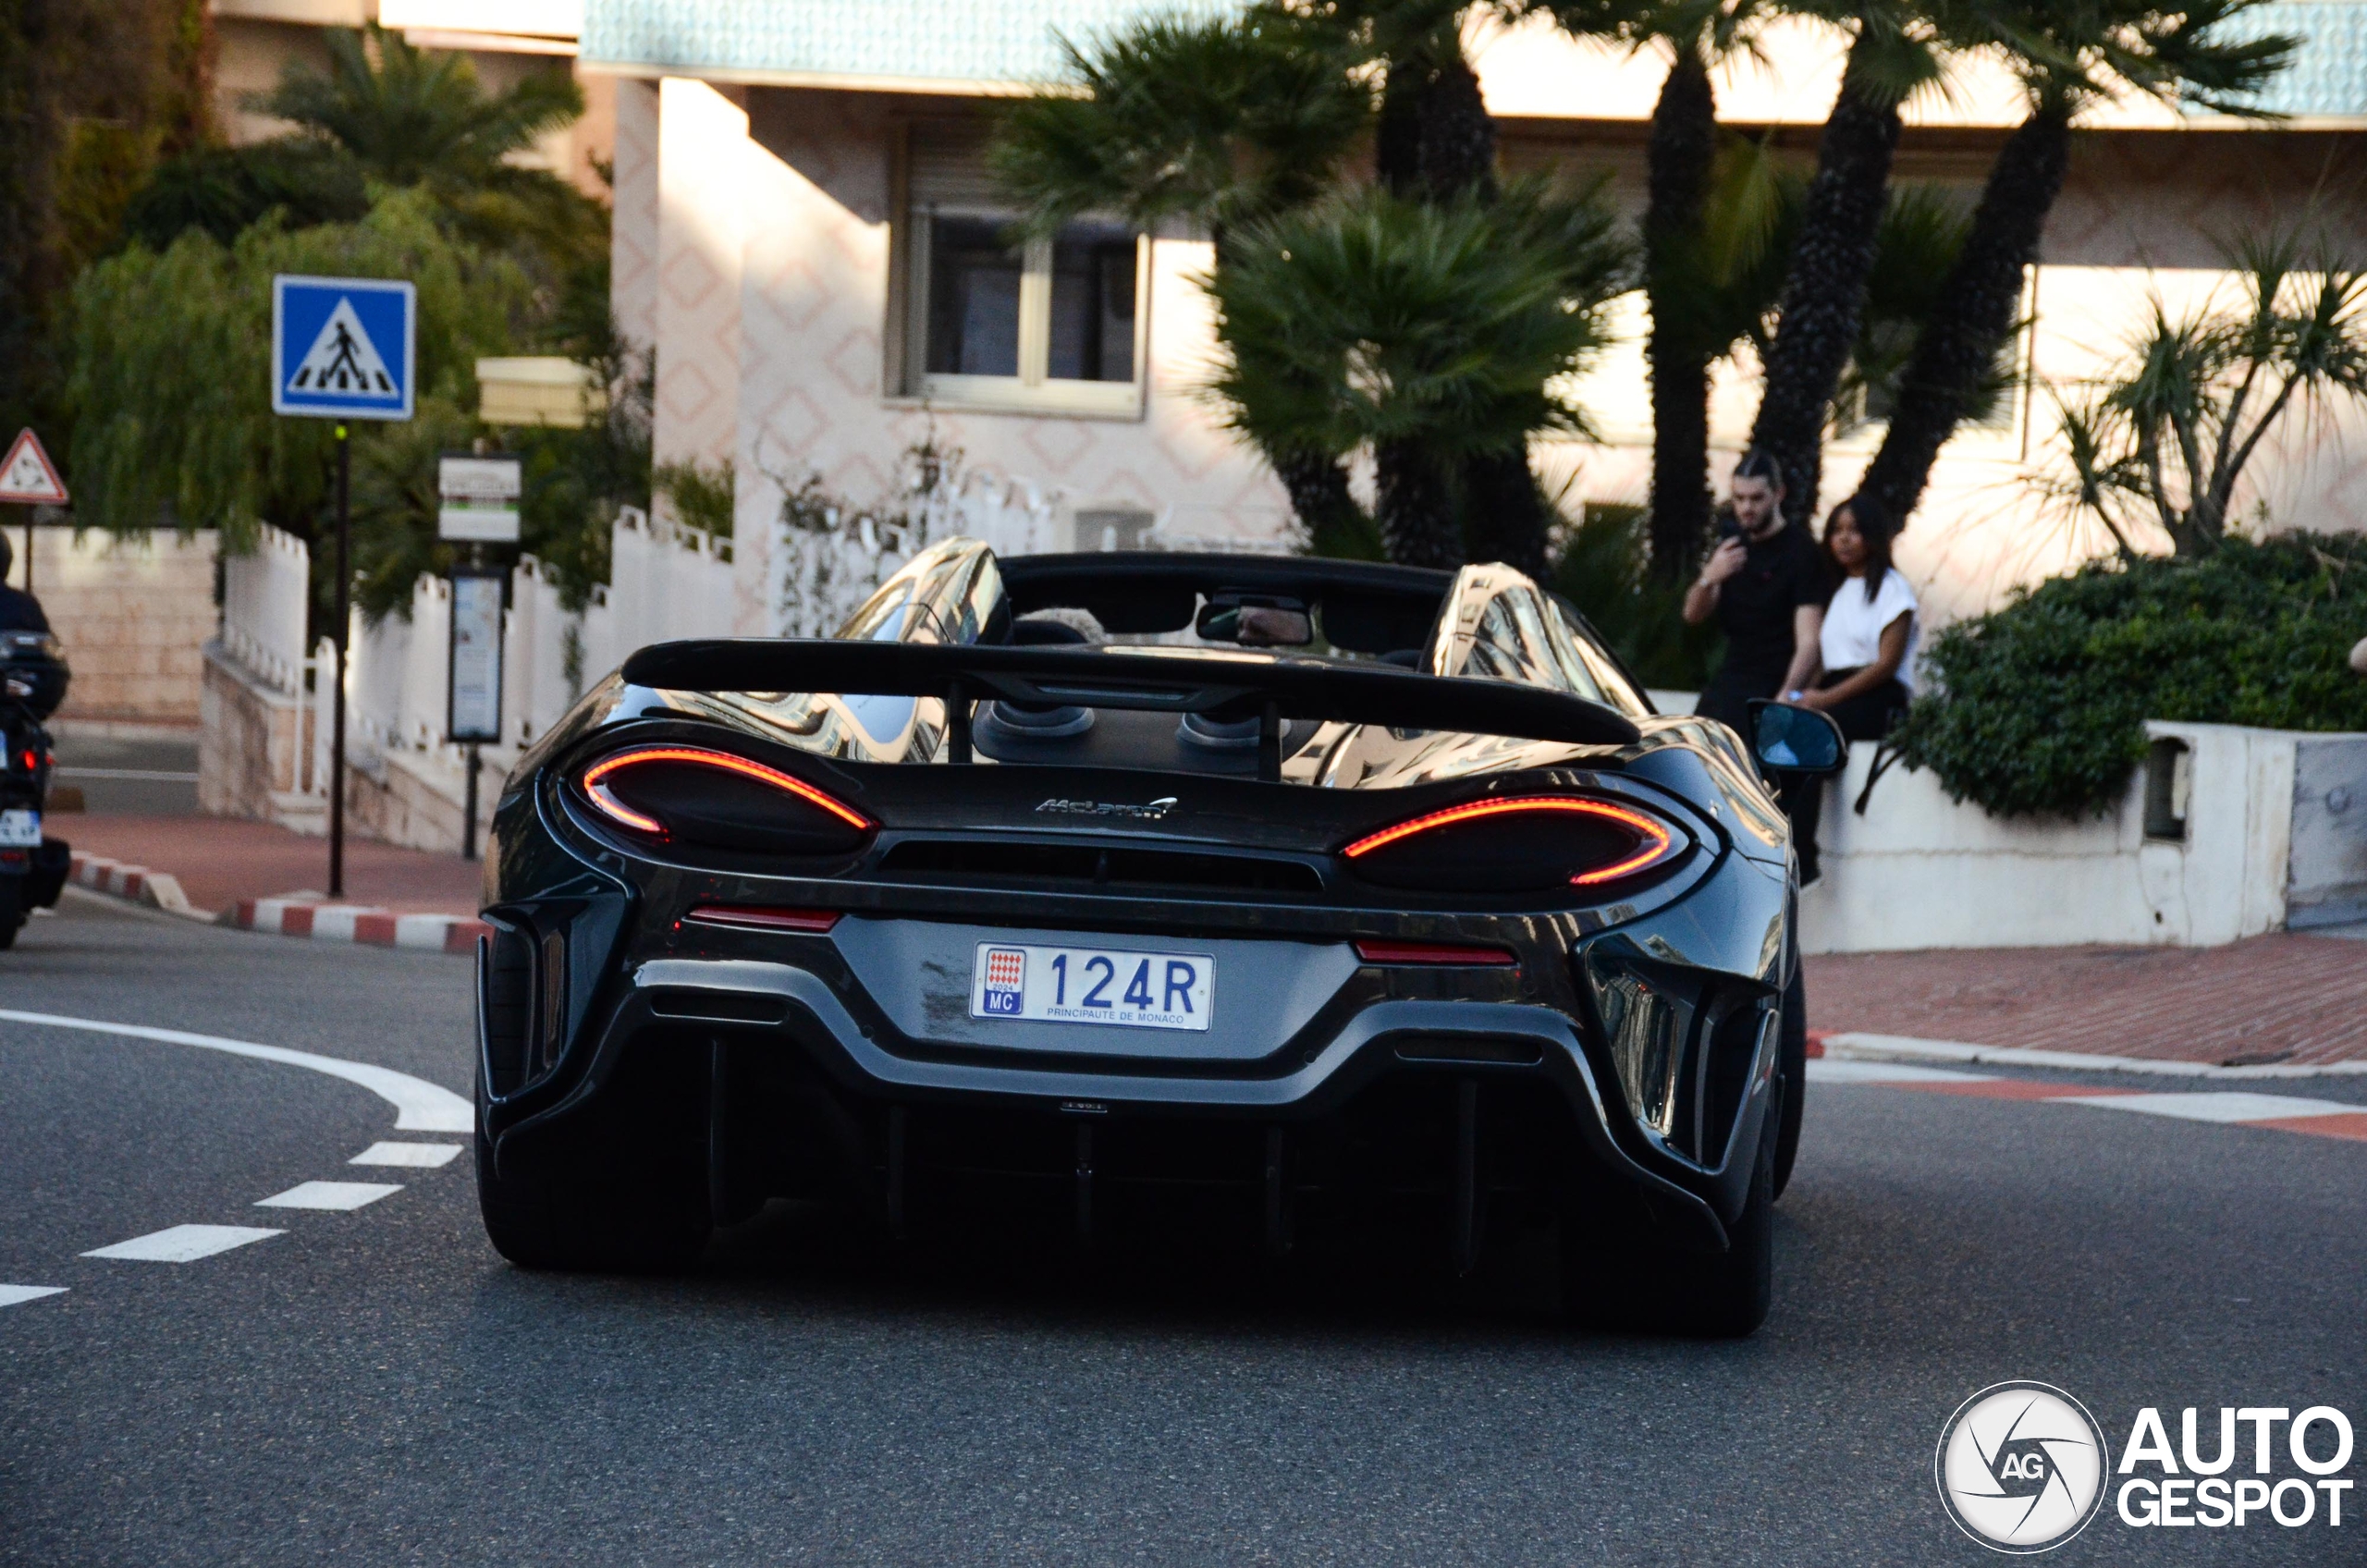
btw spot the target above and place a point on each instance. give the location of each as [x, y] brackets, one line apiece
[1868, 628]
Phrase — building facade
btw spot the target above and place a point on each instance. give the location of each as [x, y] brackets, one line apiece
[805, 232]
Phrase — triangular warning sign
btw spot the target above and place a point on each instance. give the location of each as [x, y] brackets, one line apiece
[343, 361]
[28, 475]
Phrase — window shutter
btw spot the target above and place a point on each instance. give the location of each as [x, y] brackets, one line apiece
[948, 170]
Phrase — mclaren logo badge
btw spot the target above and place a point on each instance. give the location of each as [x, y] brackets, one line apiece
[1150, 810]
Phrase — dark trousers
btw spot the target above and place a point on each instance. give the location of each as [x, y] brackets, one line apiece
[1866, 717]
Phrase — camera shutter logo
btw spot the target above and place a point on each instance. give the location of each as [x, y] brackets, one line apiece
[2021, 1467]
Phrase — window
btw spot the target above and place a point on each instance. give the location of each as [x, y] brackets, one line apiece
[1051, 325]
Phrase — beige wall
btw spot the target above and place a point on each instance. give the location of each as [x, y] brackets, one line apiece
[134, 615]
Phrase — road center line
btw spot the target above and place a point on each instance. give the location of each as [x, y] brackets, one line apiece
[185, 1244]
[338, 1195]
[420, 1106]
[11, 1294]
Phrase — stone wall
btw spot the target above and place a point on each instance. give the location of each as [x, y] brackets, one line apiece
[135, 614]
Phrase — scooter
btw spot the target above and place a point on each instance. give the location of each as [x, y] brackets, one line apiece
[33, 678]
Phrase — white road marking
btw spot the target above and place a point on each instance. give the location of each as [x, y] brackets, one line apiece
[1823, 1069]
[11, 1294]
[339, 1195]
[2233, 1106]
[420, 1106]
[418, 1156]
[185, 1244]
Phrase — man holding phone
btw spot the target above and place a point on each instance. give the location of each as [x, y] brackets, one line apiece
[1766, 584]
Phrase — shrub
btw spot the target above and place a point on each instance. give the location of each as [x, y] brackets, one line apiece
[2038, 709]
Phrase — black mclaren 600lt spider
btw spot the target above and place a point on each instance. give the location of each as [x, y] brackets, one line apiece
[1071, 882]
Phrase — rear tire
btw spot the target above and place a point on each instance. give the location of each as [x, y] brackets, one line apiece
[1725, 1296]
[1640, 1287]
[12, 910]
[646, 1215]
[1792, 1072]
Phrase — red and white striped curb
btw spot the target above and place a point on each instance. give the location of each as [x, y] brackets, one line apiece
[359, 922]
[157, 889]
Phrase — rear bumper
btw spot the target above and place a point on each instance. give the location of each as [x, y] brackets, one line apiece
[777, 1007]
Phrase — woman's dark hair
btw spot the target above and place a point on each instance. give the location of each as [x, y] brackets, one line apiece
[1757, 464]
[1875, 528]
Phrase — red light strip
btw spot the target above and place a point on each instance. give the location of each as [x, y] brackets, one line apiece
[1374, 950]
[1658, 839]
[813, 922]
[699, 757]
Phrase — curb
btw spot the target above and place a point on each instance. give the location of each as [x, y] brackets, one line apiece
[356, 923]
[1853, 1046]
[156, 890]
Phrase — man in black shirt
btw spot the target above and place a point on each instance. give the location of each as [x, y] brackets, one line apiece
[19, 611]
[1766, 584]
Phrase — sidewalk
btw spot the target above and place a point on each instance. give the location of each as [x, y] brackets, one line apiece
[2282, 999]
[223, 861]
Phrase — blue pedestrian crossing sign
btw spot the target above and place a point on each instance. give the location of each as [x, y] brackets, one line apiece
[343, 348]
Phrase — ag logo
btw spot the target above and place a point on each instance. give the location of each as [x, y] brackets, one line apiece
[2021, 1467]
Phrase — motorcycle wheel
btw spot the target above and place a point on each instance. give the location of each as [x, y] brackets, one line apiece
[12, 910]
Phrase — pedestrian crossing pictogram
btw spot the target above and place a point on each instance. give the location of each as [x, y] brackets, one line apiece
[342, 347]
[342, 359]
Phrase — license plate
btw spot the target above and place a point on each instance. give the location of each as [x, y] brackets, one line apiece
[1137, 990]
[19, 829]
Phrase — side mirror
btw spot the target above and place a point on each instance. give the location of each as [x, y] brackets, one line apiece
[1792, 739]
[1280, 625]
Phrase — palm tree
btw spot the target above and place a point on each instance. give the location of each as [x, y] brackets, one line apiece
[2166, 438]
[416, 116]
[1226, 122]
[1680, 158]
[410, 116]
[2067, 56]
[1424, 331]
[1894, 50]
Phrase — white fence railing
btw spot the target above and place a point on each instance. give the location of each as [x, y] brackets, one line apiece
[824, 571]
[266, 595]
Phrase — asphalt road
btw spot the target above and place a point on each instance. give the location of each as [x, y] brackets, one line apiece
[378, 1386]
[130, 775]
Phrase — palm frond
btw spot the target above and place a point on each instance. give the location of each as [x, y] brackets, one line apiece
[1225, 121]
[1374, 319]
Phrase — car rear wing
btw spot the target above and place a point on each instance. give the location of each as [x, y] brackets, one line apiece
[1223, 686]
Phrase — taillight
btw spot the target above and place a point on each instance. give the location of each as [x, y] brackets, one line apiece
[692, 795]
[1379, 951]
[1520, 844]
[755, 917]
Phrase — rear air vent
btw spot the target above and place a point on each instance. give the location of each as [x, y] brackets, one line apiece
[505, 1005]
[1078, 865]
[716, 1007]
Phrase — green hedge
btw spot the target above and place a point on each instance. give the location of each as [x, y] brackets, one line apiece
[2038, 709]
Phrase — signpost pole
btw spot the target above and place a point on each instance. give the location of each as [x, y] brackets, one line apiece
[344, 617]
[469, 816]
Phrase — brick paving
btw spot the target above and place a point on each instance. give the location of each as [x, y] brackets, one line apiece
[2283, 998]
[221, 861]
